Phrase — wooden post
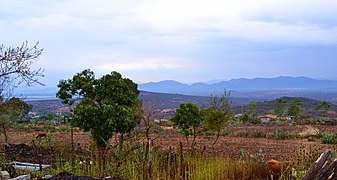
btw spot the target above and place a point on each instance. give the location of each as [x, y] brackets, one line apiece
[327, 171]
[320, 163]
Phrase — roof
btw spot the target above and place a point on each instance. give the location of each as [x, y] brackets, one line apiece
[271, 116]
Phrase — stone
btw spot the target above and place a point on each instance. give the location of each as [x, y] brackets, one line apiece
[5, 175]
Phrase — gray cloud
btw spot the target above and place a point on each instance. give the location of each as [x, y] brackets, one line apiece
[184, 40]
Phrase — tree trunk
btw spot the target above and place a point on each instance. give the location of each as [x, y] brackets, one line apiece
[216, 139]
[72, 147]
[5, 133]
[194, 137]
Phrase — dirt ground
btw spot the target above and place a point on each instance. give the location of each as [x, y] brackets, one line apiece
[227, 146]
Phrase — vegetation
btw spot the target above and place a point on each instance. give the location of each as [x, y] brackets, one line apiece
[108, 105]
[294, 109]
[323, 107]
[16, 67]
[218, 114]
[188, 119]
[280, 105]
[329, 138]
[12, 111]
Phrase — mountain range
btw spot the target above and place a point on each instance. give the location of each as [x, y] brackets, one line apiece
[282, 83]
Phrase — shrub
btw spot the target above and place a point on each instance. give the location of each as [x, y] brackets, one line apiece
[278, 134]
[329, 138]
[226, 132]
[242, 133]
[257, 134]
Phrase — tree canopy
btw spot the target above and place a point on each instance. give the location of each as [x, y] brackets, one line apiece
[12, 110]
[106, 105]
[219, 113]
[187, 118]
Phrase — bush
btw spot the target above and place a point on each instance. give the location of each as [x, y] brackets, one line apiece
[242, 133]
[257, 134]
[278, 134]
[226, 132]
[329, 138]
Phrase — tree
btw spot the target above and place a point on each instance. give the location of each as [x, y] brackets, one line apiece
[188, 119]
[294, 108]
[10, 111]
[244, 118]
[16, 67]
[107, 105]
[280, 106]
[251, 108]
[218, 114]
[323, 107]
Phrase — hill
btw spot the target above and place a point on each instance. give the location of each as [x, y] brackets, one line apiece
[257, 84]
[308, 106]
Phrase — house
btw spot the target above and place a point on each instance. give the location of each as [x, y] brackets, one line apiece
[266, 118]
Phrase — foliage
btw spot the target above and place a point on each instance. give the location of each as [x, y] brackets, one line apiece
[280, 106]
[245, 156]
[226, 132]
[323, 107]
[218, 114]
[108, 105]
[244, 118]
[188, 119]
[257, 134]
[294, 108]
[279, 134]
[329, 138]
[251, 109]
[16, 67]
[216, 120]
[10, 111]
[165, 165]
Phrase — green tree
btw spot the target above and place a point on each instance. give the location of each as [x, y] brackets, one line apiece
[10, 111]
[323, 107]
[295, 107]
[188, 119]
[244, 118]
[280, 106]
[16, 67]
[218, 114]
[107, 105]
[251, 109]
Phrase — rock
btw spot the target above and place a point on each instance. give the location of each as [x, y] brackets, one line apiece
[23, 177]
[4, 175]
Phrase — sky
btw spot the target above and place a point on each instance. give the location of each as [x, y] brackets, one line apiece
[183, 40]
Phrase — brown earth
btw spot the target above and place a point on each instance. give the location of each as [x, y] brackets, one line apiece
[228, 146]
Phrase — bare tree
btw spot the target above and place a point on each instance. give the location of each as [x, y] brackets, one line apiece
[16, 67]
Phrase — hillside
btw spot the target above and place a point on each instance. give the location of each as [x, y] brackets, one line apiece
[308, 106]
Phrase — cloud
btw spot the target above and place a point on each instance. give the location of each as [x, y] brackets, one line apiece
[143, 37]
[143, 64]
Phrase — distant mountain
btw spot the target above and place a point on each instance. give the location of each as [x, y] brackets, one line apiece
[257, 84]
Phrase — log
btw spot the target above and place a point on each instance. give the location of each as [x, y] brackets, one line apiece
[327, 171]
[320, 163]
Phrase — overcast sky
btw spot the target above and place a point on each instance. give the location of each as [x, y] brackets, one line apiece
[184, 40]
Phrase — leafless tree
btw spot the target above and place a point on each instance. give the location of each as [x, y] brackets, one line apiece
[16, 67]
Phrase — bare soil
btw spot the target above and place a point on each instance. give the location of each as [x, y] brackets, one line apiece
[227, 146]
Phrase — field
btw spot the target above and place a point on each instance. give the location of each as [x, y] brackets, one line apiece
[240, 137]
[238, 142]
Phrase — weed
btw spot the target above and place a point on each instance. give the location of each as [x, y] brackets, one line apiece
[226, 132]
[329, 138]
[257, 134]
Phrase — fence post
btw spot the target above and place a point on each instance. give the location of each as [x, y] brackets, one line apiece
[315, 167]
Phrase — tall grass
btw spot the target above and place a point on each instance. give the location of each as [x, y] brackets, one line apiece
[163, 165]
